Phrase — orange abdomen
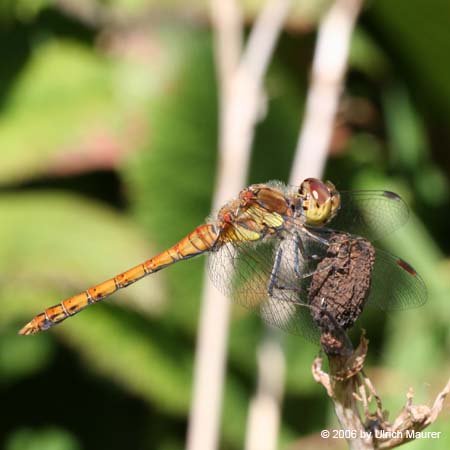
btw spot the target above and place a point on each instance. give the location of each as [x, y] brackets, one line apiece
[201, 240]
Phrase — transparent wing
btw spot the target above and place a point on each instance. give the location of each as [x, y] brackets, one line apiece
[291, 316]
[370, 214]
[242, 271]
[270, 276]
[395, 284]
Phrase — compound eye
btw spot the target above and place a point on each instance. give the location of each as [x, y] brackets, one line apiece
[320, 201]
[319, 191]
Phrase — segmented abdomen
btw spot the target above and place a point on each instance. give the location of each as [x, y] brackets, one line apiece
[201, 240]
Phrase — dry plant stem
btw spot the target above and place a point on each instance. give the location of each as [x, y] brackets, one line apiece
[330, 60]
[328, 70]
[226, 17]
[210, 358]
[414, 417]
[352, 391]
[264, 412]
[241, 91]
[344, 387]
[242, 107]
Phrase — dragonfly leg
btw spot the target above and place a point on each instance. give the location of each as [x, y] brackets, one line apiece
[275, 269]
[315, 237]
[300, 251]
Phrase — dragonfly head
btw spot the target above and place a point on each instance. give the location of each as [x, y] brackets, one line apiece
[320, 201]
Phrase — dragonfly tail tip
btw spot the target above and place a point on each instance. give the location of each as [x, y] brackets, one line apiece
[28, 329]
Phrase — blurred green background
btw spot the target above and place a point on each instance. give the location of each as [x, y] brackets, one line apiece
[108, 144]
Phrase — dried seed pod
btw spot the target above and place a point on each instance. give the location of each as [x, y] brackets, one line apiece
[340, 287]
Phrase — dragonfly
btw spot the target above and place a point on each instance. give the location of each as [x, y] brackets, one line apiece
[266, 248]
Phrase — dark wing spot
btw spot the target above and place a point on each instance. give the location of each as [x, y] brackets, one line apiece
[404, 265]
[392, 195]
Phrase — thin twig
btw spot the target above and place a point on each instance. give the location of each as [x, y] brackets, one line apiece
[212, 335]
[264, 412]
[330, 60]
[328, 70]
[240, 104]
[227, 21]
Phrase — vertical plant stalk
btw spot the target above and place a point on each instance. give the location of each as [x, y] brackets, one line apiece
[327, 76]
[265, 407]
[241, 88]
[328, 71]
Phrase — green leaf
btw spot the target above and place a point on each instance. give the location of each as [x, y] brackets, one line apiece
[43, 439]
[142, 357]
[171, 180]
[20, 358]
[22, 10]
[63, 93]
[417, 35]
[58, 244]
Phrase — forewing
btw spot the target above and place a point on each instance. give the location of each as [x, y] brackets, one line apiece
[285, 312]
[241, 270]
[264, 276]
[370, 214]
[395, 285]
